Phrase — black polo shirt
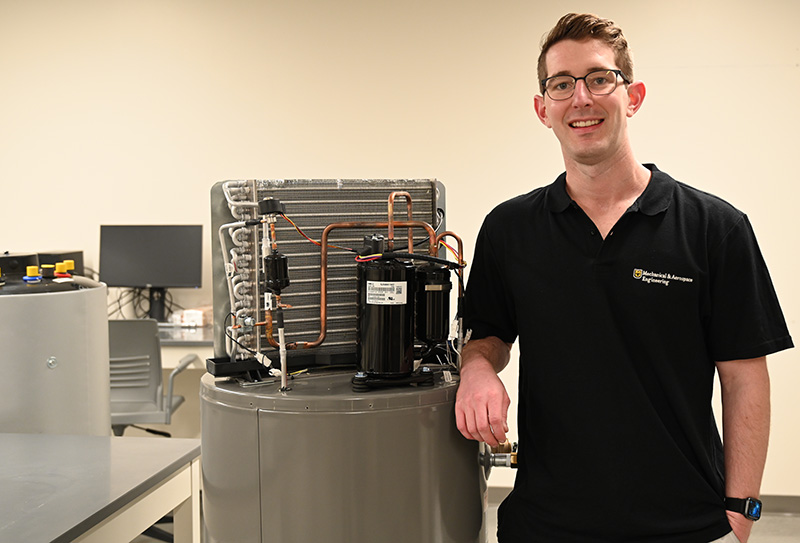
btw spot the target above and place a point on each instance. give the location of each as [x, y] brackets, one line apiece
[618, 339]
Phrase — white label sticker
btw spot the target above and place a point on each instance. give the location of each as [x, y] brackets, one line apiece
[386, 292]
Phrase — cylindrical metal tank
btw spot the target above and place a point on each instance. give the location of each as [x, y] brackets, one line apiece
[321, 463]
[54, 356]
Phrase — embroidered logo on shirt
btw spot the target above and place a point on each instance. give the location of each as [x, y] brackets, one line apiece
[659, 278]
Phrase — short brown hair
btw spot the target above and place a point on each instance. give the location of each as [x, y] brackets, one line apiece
[585, 26]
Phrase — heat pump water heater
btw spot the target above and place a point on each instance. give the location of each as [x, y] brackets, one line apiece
[328, 409]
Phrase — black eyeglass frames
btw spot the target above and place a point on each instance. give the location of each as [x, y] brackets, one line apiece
[598, 82]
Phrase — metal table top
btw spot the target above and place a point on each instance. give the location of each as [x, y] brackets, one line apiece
[55, 487]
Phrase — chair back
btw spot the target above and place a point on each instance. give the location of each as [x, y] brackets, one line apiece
[135, 362]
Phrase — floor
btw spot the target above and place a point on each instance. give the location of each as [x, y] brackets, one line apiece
[772, 528]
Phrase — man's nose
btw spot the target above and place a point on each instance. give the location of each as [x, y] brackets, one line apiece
[581, 96]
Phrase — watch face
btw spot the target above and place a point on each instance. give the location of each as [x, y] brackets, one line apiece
[753, 509]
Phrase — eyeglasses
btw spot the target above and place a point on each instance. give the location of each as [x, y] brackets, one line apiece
[599, 83]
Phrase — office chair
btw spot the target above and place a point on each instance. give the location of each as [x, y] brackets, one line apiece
[136, 381]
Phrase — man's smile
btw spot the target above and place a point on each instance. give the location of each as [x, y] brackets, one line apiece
[584, 124]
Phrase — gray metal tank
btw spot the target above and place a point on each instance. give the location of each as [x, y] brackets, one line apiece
[321, 463]
[54, 356]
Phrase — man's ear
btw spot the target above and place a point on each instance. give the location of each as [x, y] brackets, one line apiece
[541, 110]
[636, 94]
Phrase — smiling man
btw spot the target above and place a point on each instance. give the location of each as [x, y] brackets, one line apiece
[628, 292]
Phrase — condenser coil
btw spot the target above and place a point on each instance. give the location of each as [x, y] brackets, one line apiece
[311, 204]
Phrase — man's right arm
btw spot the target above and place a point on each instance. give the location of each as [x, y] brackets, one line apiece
[482, 401]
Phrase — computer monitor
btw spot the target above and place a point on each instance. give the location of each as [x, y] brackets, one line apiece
[154, 257]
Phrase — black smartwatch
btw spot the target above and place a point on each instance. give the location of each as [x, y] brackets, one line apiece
[749, 507]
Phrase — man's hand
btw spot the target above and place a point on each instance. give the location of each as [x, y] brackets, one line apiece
[741, 526]
[482, 401]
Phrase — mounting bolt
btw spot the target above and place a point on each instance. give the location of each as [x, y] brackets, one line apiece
[52, 362]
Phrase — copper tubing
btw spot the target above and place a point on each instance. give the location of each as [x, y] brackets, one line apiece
[323, 297]
[267, 324]
[402, 224]
[390, 243]
[461, 262]
[268, 331]
[269, 328]
[273, 236]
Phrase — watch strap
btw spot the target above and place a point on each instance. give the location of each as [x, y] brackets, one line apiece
[749, 507]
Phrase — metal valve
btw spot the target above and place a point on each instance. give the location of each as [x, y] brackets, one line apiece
[504, 455]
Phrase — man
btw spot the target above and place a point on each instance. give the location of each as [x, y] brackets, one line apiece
[626, 290]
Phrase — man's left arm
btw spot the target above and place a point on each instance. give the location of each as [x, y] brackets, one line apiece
[745, 431]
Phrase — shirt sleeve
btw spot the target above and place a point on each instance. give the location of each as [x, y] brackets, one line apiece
[488, 307]
[746, 318]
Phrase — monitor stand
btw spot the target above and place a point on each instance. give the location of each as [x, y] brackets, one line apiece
[157, 309]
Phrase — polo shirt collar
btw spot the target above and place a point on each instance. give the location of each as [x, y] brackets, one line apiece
[655, 199]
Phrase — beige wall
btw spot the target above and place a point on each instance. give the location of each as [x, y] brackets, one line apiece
[128, 112]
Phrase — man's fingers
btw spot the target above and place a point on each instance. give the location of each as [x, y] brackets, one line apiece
[475, 425]
[498, 429]
[483, 430]
[461, 423]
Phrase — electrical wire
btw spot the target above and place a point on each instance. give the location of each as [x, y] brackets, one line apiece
[118, 302]
[436, 230]
[414, 256]
[452, 251]
[91, 273]
[317, 243]
[139, 301]
[369, 258]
